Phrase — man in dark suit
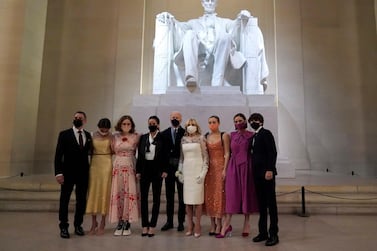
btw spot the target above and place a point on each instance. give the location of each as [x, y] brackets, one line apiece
[72, 169]
[151, 168]
[263, 152]
[173, 136]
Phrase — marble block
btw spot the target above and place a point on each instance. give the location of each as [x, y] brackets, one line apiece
[201, 105]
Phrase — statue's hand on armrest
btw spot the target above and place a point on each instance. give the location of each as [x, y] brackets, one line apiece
[165, 18]
[263, 82]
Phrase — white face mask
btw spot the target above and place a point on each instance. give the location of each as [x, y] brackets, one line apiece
[191, 129]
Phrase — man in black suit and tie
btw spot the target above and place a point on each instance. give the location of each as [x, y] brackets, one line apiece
[263, 152]
[72, 169]
[173, 136]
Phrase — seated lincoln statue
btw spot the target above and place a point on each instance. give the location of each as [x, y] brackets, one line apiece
[209, 51]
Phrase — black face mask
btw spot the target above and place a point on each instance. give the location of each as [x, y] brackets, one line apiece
[175, 122]
[77, 123]
[152, 128]
[255, 125]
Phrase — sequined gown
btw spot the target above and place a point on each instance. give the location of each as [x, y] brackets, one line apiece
[214, 195]
[125, 194]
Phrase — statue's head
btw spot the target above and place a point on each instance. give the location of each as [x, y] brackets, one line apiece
[209, 6]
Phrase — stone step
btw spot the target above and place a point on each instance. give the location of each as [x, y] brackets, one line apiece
[42, 194]
[324, 200]
[12, 200]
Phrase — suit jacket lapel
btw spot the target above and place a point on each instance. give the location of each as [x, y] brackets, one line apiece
[73, 137]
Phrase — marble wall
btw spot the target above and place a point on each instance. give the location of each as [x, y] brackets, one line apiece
[95, 55]
[22, 34]
[327, 84]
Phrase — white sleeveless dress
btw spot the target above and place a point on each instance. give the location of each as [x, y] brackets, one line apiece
[195, 159]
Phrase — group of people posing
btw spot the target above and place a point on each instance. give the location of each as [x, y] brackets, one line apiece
[216, 174]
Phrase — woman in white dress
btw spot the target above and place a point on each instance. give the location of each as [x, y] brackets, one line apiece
[193, 166]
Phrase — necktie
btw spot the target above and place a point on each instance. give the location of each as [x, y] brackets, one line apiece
[81, 141]
[175, 134]
[147, 145]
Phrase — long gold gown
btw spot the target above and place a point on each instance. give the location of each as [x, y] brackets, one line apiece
[100, 177]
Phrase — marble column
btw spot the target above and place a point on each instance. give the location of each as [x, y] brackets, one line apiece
[22, 26]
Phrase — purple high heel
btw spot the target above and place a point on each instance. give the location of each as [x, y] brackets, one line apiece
[228, 233]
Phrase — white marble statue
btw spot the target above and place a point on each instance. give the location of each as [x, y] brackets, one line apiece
[205, 51]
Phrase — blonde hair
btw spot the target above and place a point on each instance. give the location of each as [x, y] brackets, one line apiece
[192, 121]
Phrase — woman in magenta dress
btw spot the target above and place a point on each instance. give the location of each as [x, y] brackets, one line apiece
[239, 184]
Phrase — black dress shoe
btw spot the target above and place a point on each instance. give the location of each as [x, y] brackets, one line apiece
[167, 226]
[180, 227]
[64, 233]
[260, 237]
[79, 231]
[273, 240]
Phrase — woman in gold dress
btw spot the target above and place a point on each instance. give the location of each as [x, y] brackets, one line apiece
[214, 186]
[100, 176]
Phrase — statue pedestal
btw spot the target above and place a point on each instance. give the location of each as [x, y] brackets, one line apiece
[224, 102]
[204, 90]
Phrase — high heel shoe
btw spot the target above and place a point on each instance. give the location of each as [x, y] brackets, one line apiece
[212, 233]
[197, 231]
[228, 233]
[188, 233]
[246, 230]
[101, 231]
[144, 232]
[93, 229]
[218, 230]
[151, 232]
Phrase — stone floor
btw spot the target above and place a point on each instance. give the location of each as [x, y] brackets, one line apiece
[38, 231]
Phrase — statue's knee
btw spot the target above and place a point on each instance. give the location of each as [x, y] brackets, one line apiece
[189, 35]
[226, 39]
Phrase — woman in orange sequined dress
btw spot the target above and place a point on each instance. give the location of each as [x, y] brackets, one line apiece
[214, 195]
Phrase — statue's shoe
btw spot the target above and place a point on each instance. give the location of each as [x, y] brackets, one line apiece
[191, 84]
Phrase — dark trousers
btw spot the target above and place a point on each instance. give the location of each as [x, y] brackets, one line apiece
[266, 195]
[81, 189]
[146, 180]
[170, 182]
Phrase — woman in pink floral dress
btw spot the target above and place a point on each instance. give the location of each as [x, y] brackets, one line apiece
[125, 195]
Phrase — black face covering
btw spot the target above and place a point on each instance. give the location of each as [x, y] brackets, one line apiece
[152, 128]
[175, 122]
[77, 123]
[255, 125]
